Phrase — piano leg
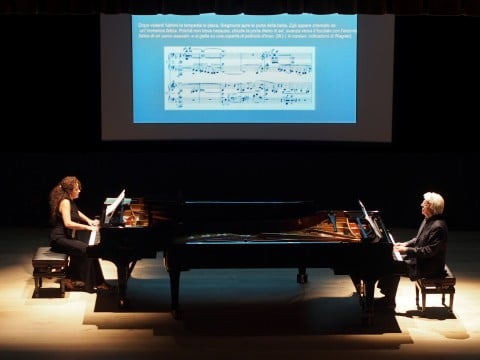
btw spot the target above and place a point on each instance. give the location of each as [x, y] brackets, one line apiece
[359, 287]
[368, 300]
[123, 273]
[175, 292]
[302, 277]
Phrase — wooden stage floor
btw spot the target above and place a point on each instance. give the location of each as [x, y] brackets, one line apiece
[232, 314]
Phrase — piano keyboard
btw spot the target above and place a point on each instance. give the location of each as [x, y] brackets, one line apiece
[94, 237]
[396, 255]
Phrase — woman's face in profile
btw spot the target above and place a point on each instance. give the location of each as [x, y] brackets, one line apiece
[75, 193]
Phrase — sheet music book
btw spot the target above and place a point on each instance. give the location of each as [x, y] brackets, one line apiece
[110, 209]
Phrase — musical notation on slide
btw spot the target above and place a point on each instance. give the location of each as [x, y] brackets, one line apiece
[239, 78]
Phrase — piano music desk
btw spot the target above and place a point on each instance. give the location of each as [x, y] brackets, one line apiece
[49, 264]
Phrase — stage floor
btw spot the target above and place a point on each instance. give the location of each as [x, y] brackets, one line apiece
[231, 314]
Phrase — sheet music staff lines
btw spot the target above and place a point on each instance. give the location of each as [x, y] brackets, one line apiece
[239, 78]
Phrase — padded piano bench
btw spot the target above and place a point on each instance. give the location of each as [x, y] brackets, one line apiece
[443, 285]
[49, 264]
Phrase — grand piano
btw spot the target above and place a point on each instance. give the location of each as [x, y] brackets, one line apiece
[134, 231]
[251, 234]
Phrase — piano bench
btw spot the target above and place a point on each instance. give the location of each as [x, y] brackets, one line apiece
[443, 285]
[49, 264]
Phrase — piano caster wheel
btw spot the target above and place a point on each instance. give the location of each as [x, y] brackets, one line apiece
[302, 278]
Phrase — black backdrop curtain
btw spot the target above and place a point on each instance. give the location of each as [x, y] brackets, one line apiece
[252, 7]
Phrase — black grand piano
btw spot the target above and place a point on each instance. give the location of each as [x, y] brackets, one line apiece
[250, 234]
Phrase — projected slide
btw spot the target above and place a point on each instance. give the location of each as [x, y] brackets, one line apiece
[210, 77]
[244, 69]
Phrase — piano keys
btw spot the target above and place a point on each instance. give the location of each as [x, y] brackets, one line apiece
[94, 237]
[397, 256]
[88, 236]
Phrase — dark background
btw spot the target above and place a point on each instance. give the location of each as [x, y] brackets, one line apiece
[50, 117]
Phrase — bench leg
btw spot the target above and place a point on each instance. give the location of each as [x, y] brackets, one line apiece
[38, 279]
[416, 296]
[62, 287]
[450, 304]
[450, 308]
[38, 285]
